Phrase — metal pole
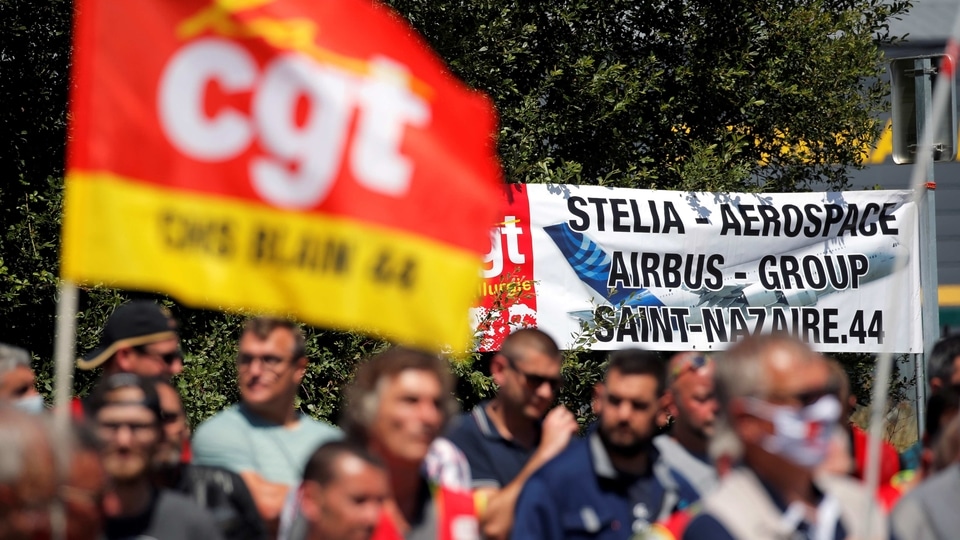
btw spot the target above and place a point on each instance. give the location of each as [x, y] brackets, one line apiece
[927, 221]
[63, 353]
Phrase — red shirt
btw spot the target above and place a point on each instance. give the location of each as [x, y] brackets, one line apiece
[889, 458]
[456, 518]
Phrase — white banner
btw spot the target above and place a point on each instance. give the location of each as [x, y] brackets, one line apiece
[608, 268]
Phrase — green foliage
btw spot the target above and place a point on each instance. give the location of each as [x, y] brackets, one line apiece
[742, 95]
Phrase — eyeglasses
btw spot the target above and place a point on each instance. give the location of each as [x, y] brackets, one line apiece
[169, 417]
[533, 380]
[693, 363]
[270, 361]
[137, 429]
[168, 358]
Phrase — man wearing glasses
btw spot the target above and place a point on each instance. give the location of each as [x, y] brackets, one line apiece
[692, 404]
[126, 415]
[509, 437]
[264, 438]
[140, 337]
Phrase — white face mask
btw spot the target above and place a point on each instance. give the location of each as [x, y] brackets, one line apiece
[801, 436]
[31, 404]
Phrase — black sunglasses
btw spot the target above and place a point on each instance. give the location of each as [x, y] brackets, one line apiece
[533, 380]
[168, 358]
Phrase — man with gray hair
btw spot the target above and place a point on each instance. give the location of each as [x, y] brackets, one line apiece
[18, 385]
[397, 407]
[777, 413]
[28, 481]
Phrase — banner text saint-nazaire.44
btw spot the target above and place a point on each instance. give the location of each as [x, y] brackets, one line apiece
[608, 268]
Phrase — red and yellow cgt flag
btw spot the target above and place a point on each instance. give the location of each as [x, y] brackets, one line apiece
[291, 156]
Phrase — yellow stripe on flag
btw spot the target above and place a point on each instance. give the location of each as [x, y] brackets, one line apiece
[229, 254]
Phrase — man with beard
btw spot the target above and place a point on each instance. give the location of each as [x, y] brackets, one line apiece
[693, 406]
[612, 484]
[509, 437]
[126, 414]
[776, 418]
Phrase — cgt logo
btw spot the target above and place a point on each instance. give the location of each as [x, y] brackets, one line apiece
[505, 238]
[298, 162]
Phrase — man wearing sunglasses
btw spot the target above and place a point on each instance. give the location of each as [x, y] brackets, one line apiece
[139, 337]
[692, 404]
[509, 437]
[776, 417]
[264, 438]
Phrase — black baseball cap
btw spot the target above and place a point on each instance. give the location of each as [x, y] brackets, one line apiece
[140, 322]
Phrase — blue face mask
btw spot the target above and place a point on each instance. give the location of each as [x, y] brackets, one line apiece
[32, 404]
[802, 435]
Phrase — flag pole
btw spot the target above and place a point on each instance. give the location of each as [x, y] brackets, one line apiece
[924, 162]
[63, 353]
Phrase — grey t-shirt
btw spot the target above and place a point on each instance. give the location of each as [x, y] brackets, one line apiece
[240, 441]
[169, 516]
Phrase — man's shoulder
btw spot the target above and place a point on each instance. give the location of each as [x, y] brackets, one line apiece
[227, 419]
[705, 527]
[464, 424]
[569, 465]
[319, 429]
[172, 505]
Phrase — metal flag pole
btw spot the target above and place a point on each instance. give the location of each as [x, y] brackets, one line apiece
[63, 353]
[918, 184]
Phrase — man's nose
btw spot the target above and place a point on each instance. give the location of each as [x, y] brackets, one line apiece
[176, 367]
[545, 390]
[429, 413]
[370, 513]
[124, 435]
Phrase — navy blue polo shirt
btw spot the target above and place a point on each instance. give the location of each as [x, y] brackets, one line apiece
[579, 494]
[494, 460]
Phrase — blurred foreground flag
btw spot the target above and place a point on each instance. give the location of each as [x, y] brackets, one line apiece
[300, 157]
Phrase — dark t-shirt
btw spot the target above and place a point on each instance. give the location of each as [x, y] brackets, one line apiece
[169, 516]
[494, 460]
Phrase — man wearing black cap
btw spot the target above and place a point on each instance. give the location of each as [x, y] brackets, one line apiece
[126, 413]
[139, 337]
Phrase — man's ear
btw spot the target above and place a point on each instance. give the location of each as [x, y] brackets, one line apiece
[936, 384]
[498, 365]
[668, 409]
[300, 368]
[309, 503]
[124, 359]
[597, 401]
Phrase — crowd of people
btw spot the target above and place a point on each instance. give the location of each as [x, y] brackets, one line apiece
[753, 443]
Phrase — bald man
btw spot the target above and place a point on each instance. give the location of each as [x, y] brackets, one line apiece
[691, 402]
